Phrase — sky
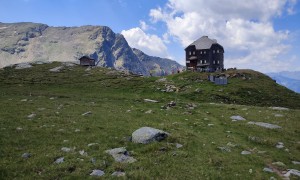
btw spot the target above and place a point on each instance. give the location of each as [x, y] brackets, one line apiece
[263, 35]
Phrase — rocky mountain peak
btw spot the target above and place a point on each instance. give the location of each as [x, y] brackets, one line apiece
[27, 42]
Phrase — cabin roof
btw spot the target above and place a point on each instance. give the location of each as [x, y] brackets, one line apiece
[204, 43]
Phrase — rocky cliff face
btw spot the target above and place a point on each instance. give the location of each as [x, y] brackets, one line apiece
[156, 65]
[27, 42]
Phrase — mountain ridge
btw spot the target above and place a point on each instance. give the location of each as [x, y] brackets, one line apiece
[27, 42]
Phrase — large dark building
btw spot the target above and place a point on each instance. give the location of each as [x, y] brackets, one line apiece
[205, 55]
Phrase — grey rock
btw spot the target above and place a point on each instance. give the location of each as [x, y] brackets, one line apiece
[265, 125]
[179, 145]
[230, 144]
[146, 135]
[30, 116]
[97, 172]
[92, 144]
[237, 118]
[296, 162]
[278, 115]
[26, 155]
[161, 80]
[279, 145]
[118, 174]
[83, 153]
[266, 169]
[245, 152]
[150, 100]
[294, 172]
[121, 155]
[224, 149]
[66, 149]
[279, 108]
[148, 112]
[86, 113]
[59, 160]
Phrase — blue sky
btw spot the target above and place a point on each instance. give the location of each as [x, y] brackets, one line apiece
[259, 34]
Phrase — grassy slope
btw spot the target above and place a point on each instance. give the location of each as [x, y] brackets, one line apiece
[109, 97]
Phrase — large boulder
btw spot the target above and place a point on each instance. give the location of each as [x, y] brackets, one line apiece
[146, 135]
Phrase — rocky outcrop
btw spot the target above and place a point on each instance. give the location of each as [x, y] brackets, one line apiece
[27, 42]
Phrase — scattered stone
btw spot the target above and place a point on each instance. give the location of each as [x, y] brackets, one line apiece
[26, 155]
[266, 169]
[279, 145]
[281, 164]
[77, 130]
[161, 80]
[52, 98]
[23, 100]
[230, 144]
[23, 66]
[296, 162]
[19, 129]
[83, 153]
[97, 172]
[31, 116]
[86, 113]
[280, 108]
[265, 125]
[237, 118]
[294, 172]
[198, 90]
[148, 112]
[41, 109]
[278, 115]
[150, 100]
[56, 69]
[171, 104]
[225, 149]
[65, 141]
[92, 144]
[118, 174]
[121, 155]
[146, 135]
[179, 145]
[66, 149]
[191, 106]
[170, 88]
[59, 160]
[250, 171]
[210, 125]
[245, 152]
[88, 69]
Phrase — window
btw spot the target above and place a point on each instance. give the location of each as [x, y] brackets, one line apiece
[214, 62]
[200, 52]
[214, 51]
[218, 62]
[204, 52]
[194, 52]
[218, 51]
[190, 53]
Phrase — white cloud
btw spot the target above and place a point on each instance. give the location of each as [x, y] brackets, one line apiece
[144, 26]
[244, 28]
[150, 44]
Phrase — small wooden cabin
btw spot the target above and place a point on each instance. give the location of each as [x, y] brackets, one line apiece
[205, 54]
[86, 61]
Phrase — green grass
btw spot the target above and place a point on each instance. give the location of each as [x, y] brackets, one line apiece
[109, 95]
